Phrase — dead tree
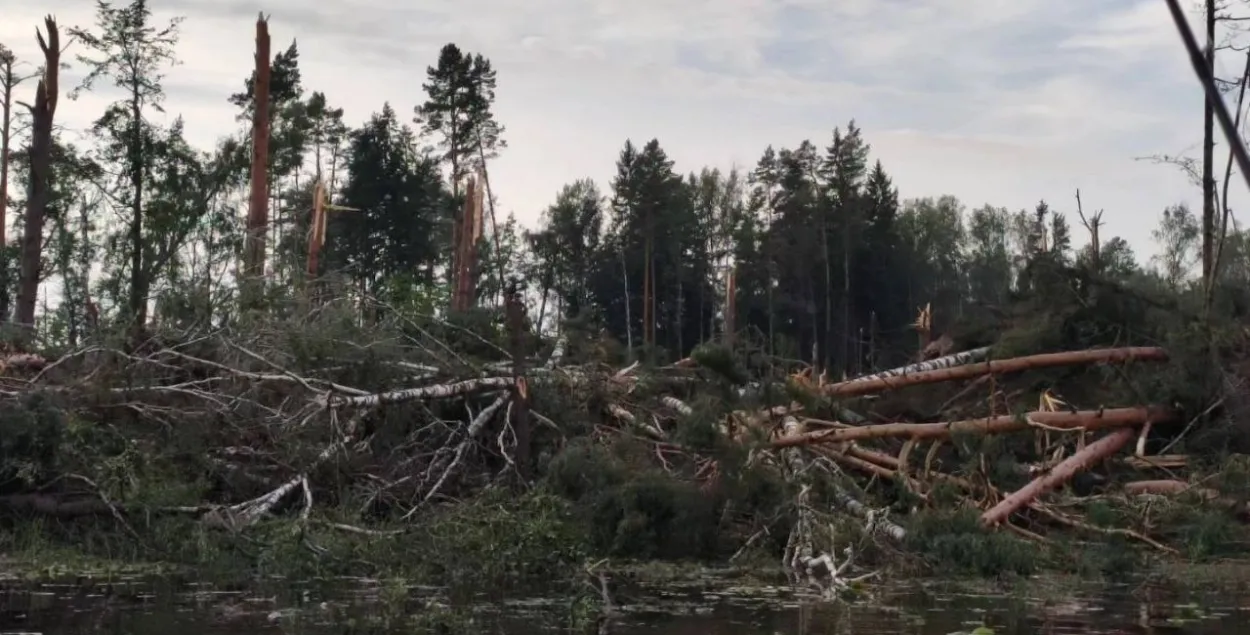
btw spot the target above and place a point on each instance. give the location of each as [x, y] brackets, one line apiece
[258, 211]
[518, 337]
[42, 113]
[465, 235]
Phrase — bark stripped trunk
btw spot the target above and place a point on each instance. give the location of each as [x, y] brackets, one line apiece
[8, 80]
[1079, 420]
[316, 241]
[858, 387]
[465, 234]
[40, 173]
[1080, 461]
[317, 229]
[258, 211]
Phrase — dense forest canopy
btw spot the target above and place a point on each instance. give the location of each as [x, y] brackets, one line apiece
[809, 254]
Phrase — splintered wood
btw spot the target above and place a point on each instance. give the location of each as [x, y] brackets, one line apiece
[466, 233]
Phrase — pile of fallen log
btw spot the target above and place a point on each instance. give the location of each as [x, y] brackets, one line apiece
[1067, 431]
[254, 389]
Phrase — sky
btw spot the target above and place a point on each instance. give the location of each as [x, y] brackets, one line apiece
[1005, 102]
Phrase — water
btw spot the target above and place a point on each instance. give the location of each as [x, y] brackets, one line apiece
[138, 606]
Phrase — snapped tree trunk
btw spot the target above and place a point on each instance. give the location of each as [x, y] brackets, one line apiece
[258, 211]
[467, 231]
[40, 172]
[519, 340]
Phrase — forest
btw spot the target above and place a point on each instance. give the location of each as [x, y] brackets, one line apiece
[308, 343]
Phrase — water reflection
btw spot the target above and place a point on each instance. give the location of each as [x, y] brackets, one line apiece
[159, 607]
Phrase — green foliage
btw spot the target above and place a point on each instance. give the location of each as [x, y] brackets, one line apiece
[721, 361]
[499, 539]
[631, 514]
[956, 542]
[828, 269]
[31, 433]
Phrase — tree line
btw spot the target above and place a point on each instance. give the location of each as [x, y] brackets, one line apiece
[809, 255]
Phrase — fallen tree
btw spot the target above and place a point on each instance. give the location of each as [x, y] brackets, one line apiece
[894, 381]
[371, 438]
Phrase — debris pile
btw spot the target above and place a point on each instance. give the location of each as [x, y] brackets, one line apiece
[281, 420]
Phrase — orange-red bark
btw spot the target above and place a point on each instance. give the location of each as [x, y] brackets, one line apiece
[1014, 365]
[1083, 419]
[1082, 460]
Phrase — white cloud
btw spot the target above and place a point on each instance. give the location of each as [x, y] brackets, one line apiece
[998, 101]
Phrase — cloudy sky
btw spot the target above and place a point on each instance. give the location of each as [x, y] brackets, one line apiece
[995, 101]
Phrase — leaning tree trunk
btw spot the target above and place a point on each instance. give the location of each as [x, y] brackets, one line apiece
[1208, 157]
[40, 172]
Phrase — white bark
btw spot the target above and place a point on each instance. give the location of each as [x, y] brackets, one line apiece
[957, 359]
[677, 404]
[471, 433]
[876, 520]
[437, 391]
[557, 353]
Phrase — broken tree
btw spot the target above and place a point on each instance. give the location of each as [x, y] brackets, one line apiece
[258, 200]
[42, 113]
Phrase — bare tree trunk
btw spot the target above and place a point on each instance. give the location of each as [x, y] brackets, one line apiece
[138, 278]
[1000, 424]
[629, 326]
[731, 306]
[882, 383]
[647, 291]
[1208, 158]
[40, 173]
[258, 212]
[1082, 460]
[468, 230]
[519, 340]
[7, 81]
[826, 352]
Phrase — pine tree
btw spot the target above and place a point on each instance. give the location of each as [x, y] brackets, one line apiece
[132, 52]
[460, 94]
[399, 195]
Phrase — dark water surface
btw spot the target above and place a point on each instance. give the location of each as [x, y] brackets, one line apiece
[143, 606]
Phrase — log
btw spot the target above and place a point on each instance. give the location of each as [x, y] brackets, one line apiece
[1078, 462]
[948, 361]
[857, 387]
[1080, 420]
[1165, 486]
